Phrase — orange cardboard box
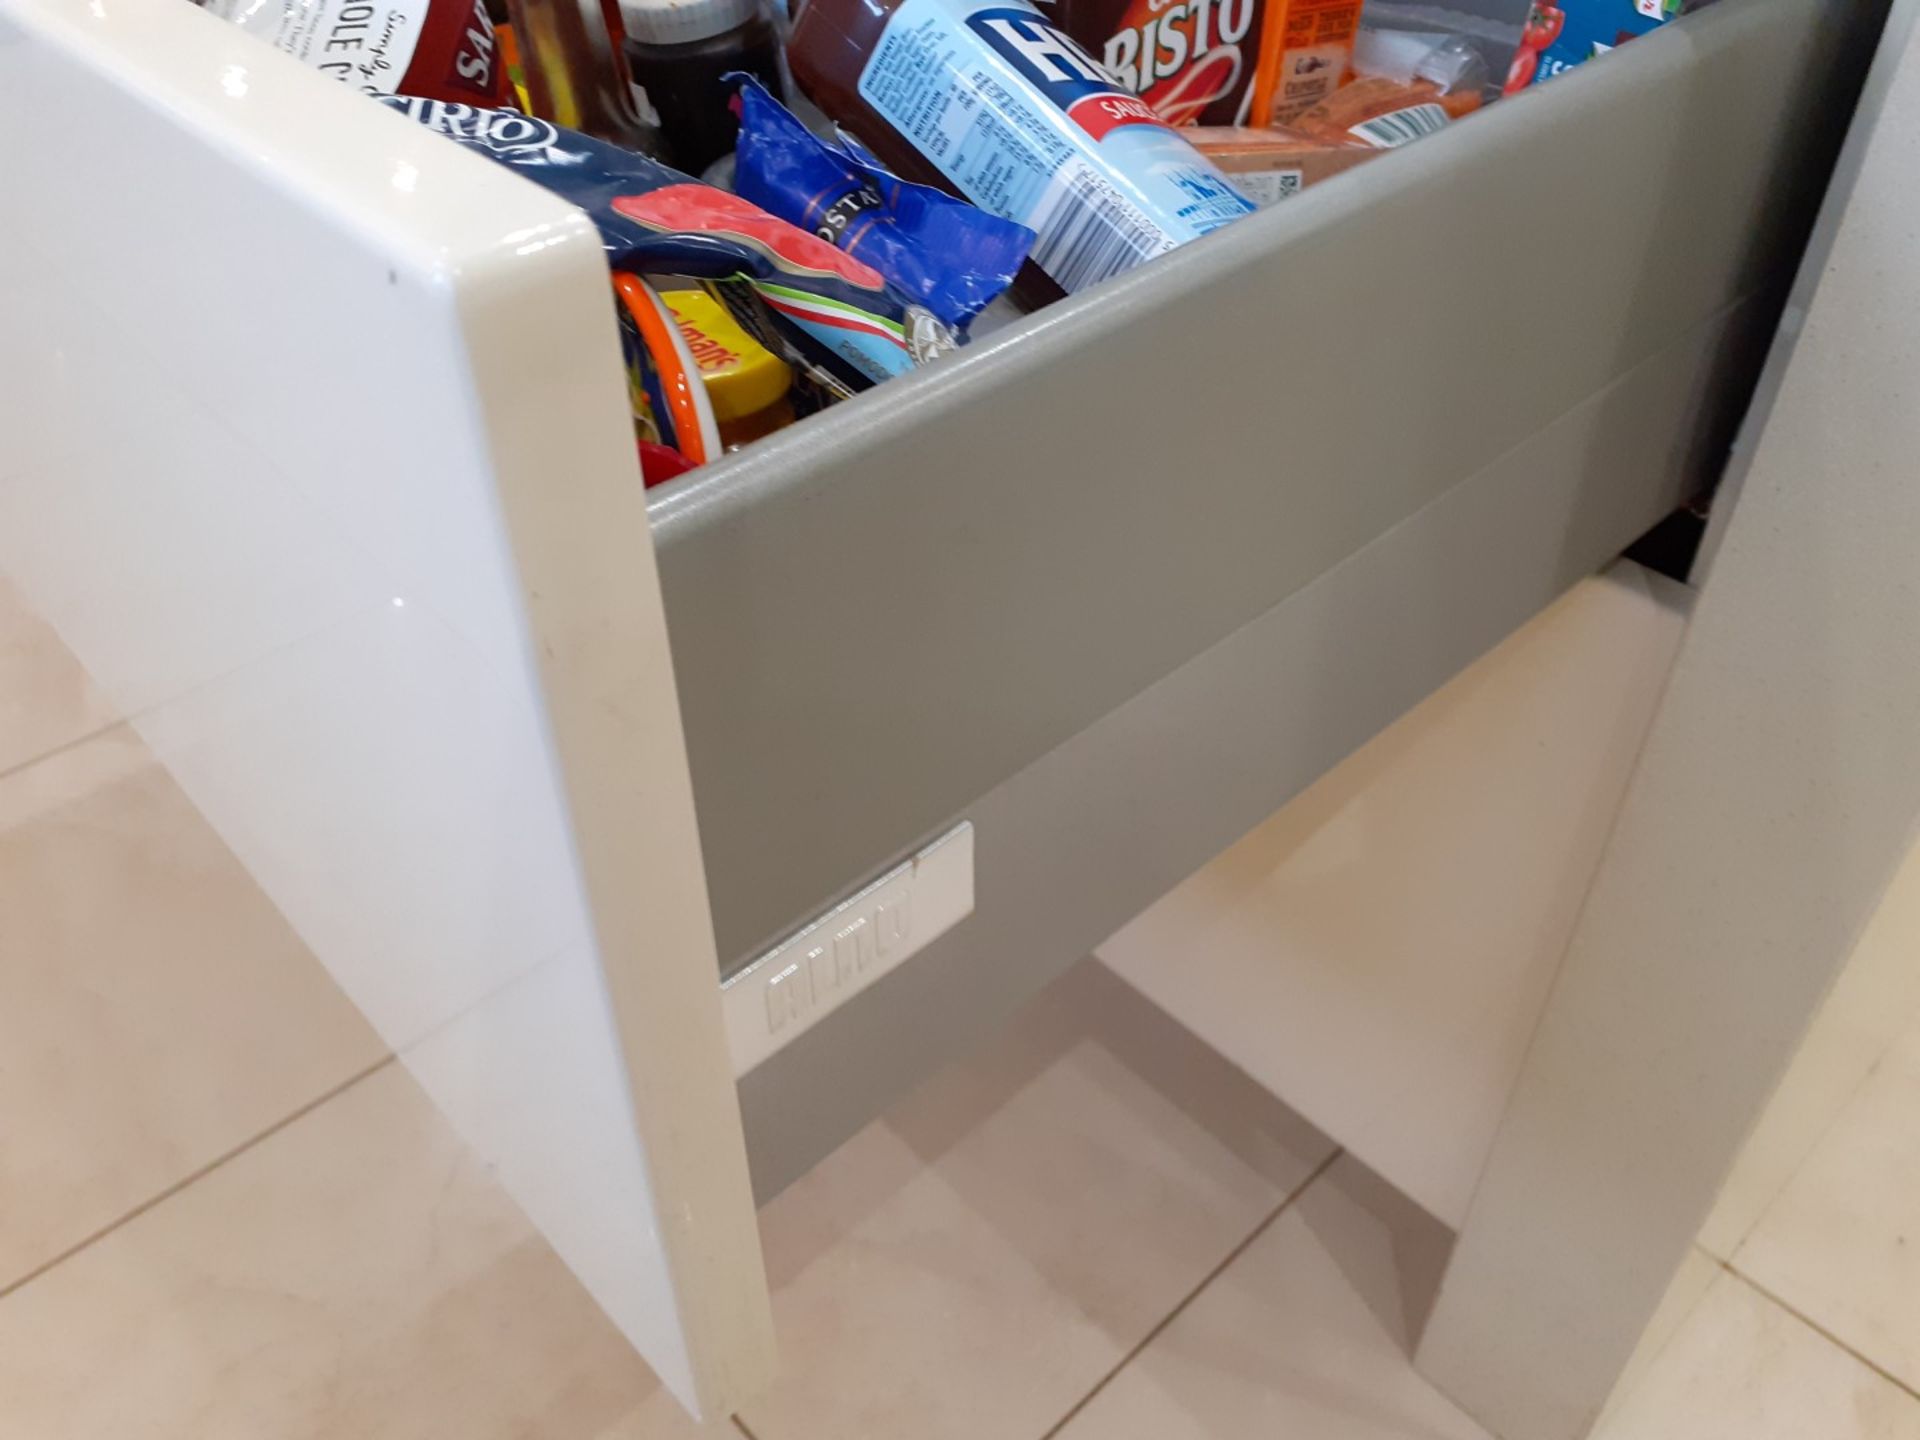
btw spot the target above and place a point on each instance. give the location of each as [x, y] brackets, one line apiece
[1270, 164]
[1384, 113]
[1305, 48]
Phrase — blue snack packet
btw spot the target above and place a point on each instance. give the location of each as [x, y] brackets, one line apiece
[1578, 30]
[944, 253]
[831, 313]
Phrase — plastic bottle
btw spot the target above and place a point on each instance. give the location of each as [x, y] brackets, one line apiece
[678, 51]
[574, 74]
[989, 100]
[436, 49]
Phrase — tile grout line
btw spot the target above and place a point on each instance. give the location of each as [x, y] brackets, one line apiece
[193, 1177]
[1805, 1158]
[1825, 1334]
[131, 718]
[7, 771]
[1186, 1300]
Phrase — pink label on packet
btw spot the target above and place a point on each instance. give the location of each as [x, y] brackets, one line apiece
[701, 208]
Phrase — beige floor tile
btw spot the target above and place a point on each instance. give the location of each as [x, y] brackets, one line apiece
[973, 1263]
[1841, 1243]
[1306, 1334]
[1685, 1291]
[1742, 1368]
[354, 1276]
[1866, 1013]
[157, 1012]
[1413, 904]
[46, 699]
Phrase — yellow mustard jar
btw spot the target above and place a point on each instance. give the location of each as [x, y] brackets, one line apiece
[746, 383]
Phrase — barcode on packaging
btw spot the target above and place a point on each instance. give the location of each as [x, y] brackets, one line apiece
[1268, 187]
[1088, 231]
[1397, 127]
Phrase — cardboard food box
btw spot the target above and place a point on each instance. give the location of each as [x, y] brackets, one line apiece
[1270, 164]
[1560, 34]
[1191, 60]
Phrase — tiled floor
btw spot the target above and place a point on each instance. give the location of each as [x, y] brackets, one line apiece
[224, 1217]
[1841, 1244]
[158, 1012]
[46, 699]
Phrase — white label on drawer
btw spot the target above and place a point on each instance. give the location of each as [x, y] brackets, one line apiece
[367, 43]
[823, 965]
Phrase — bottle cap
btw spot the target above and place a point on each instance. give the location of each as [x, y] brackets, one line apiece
[742, 377]
[680, 22]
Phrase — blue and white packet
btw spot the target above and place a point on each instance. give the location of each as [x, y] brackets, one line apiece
[950, 256]
[831, 313]
[1026, 124]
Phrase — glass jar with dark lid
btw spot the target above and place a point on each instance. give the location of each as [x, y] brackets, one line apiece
[678, 52]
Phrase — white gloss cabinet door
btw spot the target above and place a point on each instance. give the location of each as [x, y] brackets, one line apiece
[317, 473]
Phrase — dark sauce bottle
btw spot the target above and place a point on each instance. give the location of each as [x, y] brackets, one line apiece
[678, 53]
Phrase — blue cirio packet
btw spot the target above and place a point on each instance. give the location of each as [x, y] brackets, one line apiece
[824, 309]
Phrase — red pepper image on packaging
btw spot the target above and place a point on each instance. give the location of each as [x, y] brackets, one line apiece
[1544, 24]
[436, 49]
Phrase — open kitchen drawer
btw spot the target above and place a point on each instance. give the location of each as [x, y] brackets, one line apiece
[319, 464]
[1118, 584]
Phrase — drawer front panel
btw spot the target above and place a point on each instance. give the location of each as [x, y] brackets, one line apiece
[320, 471]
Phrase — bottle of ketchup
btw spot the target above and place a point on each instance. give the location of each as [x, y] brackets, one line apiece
[990, 101]
[436, 49]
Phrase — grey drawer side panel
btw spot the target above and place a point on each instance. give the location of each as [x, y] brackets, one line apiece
[890, 610]
[1064, 856]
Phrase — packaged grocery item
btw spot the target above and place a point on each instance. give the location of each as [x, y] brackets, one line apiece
[746, 383]
[442, 49]
[1383, 113]
[988, 99]
[678, 53]
[1449, 62]
[1560, 36]
[571, 69]
[673, 406]
[1305, 46]
[510, 57]
[1191, 60]
[1270, 164]
[950, 256]
[825, 312]
[660, 463]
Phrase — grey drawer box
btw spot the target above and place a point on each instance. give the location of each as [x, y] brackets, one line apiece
[1386, 420]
